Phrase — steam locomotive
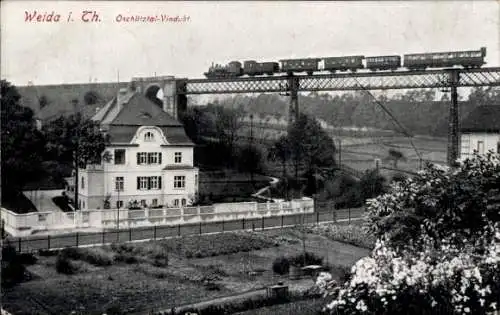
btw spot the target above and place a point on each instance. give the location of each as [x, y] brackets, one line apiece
[465, 59]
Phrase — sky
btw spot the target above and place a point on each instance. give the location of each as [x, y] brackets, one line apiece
[109, 50]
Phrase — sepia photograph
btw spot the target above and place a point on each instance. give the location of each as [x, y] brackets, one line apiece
[250, 157]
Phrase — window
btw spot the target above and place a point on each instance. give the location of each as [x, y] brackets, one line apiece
[153, 158]
[498, 147]
[155, 182]
[183, 202]
[143, 203]
[148, 158]
[148, 183]
[83, 204]
[155, 202]
[178, 157]
[119, 204]
[83, 183]
[142, 183]
[149, 136]
[120, 156]
[176, 202]
[179, 181]
[142, 158]
[119, 183]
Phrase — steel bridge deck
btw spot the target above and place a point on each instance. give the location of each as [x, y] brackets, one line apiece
[346, 81]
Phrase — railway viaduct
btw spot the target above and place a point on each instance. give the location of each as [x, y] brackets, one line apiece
[175, 90]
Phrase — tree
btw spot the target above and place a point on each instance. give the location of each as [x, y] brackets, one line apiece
[43, 101]
[281, 151]
[67, 135]
[78, 141]
[310, 145]
[485, 96]
[438, 247]
[228, 122]
[22, 143]
[91, 98]
[395, 156]
[250, 160]
[371, 184]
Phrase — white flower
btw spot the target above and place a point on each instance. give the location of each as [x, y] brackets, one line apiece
[361, 306]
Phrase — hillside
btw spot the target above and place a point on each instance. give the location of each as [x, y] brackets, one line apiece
[418, 117]
[59, 99]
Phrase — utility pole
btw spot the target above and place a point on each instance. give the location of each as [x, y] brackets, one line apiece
[453, 78]
[340, 153]
[251, 146]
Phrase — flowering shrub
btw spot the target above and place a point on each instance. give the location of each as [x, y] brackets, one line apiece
[438, 247]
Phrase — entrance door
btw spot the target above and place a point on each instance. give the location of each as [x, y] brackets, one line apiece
[480, 147]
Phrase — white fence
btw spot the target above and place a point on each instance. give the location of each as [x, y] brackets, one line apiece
[24, 224]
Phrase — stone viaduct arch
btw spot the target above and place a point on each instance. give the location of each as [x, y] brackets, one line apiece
[171, 102]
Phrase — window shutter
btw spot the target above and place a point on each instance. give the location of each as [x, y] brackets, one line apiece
[149, 182]
[159, 158]
[138, 158]
[159, 181]
[138, 183]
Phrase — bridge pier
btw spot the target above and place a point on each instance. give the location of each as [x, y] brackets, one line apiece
[453, 119]
[293, 88]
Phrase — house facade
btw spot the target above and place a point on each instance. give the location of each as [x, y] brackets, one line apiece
[480, 131]
[151, 161]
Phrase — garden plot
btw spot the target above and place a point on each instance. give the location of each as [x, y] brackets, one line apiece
[140, 277]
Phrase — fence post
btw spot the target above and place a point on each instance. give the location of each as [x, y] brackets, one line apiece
[48, 241]
[130, 234]
[262, 223]
[154, 232]
[282, 218]
[20, 242]
[76, 239]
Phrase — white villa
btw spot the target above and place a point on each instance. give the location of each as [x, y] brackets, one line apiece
[480, 131]
[152, 159]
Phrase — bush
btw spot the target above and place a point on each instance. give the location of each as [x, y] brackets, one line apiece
[306, 259]
[281, 265]
[98, 257]
[94, 256]
[64, 265]
[13, 270]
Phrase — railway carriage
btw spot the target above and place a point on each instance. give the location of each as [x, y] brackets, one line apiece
[383, 62]
[253, 68]
[334, 64]
[466, 59]
[309, 65]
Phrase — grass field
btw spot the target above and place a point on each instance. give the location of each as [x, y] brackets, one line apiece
[144, 276]
[305, 307]
[362, 157]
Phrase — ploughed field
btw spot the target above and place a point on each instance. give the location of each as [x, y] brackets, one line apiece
[140, 277]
